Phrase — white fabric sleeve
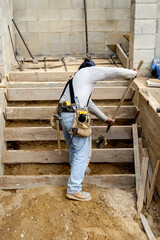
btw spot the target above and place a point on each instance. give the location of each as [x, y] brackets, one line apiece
[93, 109]
[103, 73]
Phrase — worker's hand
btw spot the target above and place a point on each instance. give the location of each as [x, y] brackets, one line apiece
[110, 121]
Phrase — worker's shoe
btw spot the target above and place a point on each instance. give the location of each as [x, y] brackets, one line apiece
[80, 196]
[87, 171]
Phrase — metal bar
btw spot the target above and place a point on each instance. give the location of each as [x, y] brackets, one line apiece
[20, 67]
[86, 27]
[45, 66]
[23, 40]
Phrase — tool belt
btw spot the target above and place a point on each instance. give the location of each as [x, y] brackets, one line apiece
[81, 123]
[55, 117]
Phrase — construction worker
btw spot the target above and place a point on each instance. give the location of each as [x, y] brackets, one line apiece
[81, 87]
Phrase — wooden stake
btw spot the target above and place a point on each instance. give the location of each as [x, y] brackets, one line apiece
[151, 190]
[147, 228]
[58, 137]
[142, 184]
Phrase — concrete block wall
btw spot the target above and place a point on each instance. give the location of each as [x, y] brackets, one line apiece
[56, 27]
[143, 33]
[6, 53]
[157, 52]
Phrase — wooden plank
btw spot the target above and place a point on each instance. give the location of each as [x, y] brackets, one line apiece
[114, 155]
[151, 190]
[106, 83]
[49, 134]
[147, 228]
[142, 184]
[19, 182]
[122, 56]
[41, 113]
[31, 94]
[39, 76]
[136, 156]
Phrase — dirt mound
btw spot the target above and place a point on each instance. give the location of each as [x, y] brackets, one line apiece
[45, 213]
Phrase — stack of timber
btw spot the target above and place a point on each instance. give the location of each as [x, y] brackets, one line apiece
[38, 87]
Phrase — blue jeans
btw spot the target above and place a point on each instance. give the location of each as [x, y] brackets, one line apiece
[79, 153]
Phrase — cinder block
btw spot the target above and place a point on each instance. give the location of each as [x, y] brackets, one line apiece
[124, 3]
[144, 41]
[60, 26]
[80, 4]
[146, 1]
[25, 15]
[48, 14]
[145, 26]
[145, 55]
[41, 26]
[146, 11]
[1, 13]
[157, 52]
[72, 37]
[96, 37]
[96, 14]
[48, 38]
[106, 4]
[123, 26]
[1, 28]
[117, 14]
[105, 26]
[69, 14]
[1, 44]
[78, 26]
[19, 4]
[37, 4]
[59, 4]
[28, 37]
[22, 26]
[78, 48]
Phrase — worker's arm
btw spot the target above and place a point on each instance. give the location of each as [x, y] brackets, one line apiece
[103, 73]
[93, 109]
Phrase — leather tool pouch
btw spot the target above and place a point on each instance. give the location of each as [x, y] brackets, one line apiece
[81, 124]
[54, 118]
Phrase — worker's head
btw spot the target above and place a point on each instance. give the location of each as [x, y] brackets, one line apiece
[87, 63]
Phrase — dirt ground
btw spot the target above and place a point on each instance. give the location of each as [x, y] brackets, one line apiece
[44, 213]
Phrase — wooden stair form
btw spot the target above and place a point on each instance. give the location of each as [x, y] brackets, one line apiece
[41, 86]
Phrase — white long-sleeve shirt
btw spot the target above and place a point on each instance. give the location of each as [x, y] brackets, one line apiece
[84, 81]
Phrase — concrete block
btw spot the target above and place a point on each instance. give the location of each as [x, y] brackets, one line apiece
[106, 4]
[60, 26]
[124, 3]
[80, 4]
[145, 55]
[146, 11]
[68, 38]
[48, 38]
[1, 44]
[78, 48]
[1, 28]
[157, 52]
[65, 48]
[158, 40]
[145, 26]
[1, 13]
[144, 42]
[48, 14]
[22, 26]
[69, 14]
[117, 14]
[146, 1]
[123, 26]
[96, 14]
[37, 4]
[25, 15]
[55, 48]
[105, 26]
[96, 37]
[19, 4]
[41, 26]
[78, 26]
[59, 4]
[30, 38]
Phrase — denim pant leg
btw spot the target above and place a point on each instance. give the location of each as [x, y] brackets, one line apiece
[78, 154]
